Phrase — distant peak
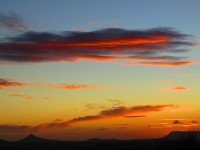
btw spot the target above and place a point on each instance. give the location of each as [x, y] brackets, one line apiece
[31, 136]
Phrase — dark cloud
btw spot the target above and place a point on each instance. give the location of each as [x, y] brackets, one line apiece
[11, 21]
[137, 116]
[102, 45]
[117, 112]
[177, 122]
[102, 129]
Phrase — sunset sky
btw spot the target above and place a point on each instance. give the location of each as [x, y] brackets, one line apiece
[79, 69]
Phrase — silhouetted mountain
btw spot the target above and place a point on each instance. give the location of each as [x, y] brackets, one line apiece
[32, 138]
[180, 135]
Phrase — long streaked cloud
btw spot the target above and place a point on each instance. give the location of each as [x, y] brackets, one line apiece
[5, 83]
[156, 46]
[11, 21]
[163, 64]
[112, 113]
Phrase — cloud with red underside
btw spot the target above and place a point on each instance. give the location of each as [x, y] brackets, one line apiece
[156, 46]
[112, 113]
[4, 83]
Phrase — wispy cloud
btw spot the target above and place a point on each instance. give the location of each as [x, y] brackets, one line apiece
[163, 64]
[8, 83]
[104, 45]
[112, 113]
[11, 21]
[177, 89]
[27, 97]
[4, 83]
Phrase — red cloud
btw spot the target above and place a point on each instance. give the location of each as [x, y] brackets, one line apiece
[163, 64]
[177, 89]
[6, 83]
[103, 45]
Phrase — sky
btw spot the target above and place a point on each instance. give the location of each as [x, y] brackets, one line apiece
[81, 69]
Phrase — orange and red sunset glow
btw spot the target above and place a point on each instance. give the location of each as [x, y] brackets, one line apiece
[77, 70]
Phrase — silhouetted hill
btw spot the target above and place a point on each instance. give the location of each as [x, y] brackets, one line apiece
[33, 139]
[180, 135]
[3, 141]
[184, 141]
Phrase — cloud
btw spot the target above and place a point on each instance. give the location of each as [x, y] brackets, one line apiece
[22, 96]
[163, 64]
[104, 45]
[137, 116]
[8, 83]
[4, 83]
[177, 89]
[46, 98]
[112, 113]
[14, 129]
[102, 129]
[94, 106]
[72, 87]
[11, 21]
[177, 122]
[186, 123]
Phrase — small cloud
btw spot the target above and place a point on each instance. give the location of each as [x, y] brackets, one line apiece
[11, 21]
[115, 102]
[177, 89]
[102, 129]
[58, 120]
[177, 122]
[4, 83]
[194, 122]
[94, 106]
[137, 116]
[162, 64]
[27, 97]
[46, 98]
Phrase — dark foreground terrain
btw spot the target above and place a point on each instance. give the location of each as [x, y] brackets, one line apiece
[174, 141]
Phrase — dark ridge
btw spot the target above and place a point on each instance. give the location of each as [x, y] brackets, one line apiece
[101, 140]
[3, 141]
[179, 135]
